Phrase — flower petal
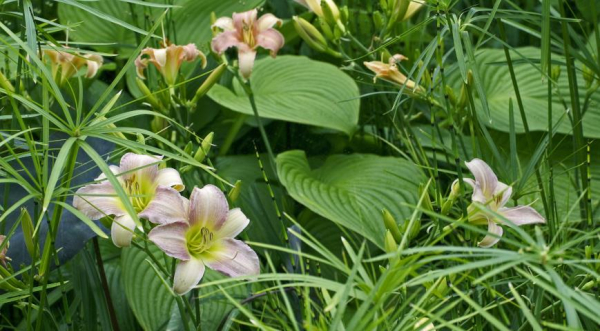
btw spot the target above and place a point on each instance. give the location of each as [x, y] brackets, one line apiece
[143, 167]
[94, 62]
[235, 223]
[170, 177]
[121, 230]
[224, 40]
[160, 56]
[246, 61]
[270, 39]
[232, 258]
[187, 275]
[98, 200]
[167, 206]
[170, 238]
[113, 168]
[267, 21]
[246, 18]
[208, 207]
[502, 194]
[495, 232]
[140, 66]
[484, 176]
[522, 215]
[224, 23]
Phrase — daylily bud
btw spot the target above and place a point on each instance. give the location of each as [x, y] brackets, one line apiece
[158, 124]
[234, 194]
[331, 12]
[5, 83]
[344, 14]
[28, 229]
[3, 257]
[378, 20]
[414, 231]
[390, 243]
[140, 139]
[210, 81]
[588, 252]
[188, 148]
[147, 93]
[426, 198]
[326, 29]
[463, 97]
[390, 223]
[204, 148]
[555, 72]
[310, 34]
[424, 325]
[451, 96]
[588, 76]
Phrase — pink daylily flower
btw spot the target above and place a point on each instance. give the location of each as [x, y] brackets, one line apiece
[245, 32]
[168, 60]
[65, 65]
[493, 194]
[206, 239]
[390, 72]
[153, 192]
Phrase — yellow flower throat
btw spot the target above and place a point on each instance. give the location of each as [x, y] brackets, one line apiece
[199, 239]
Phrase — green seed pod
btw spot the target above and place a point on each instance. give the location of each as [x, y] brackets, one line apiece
[141, 139]
[427, 205]
[588, 252]
[390, 223]
[28, 228]
[234, 194]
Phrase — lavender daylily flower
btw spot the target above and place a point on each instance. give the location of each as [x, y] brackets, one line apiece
[154, 195]
[488, 191]
[168, 60]
[245, 32]
[205, 239]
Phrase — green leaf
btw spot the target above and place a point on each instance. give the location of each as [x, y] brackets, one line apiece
[215, 307]
[352, 190]
[491, 64]
[110, 22]
[148, 298]
[297, 89]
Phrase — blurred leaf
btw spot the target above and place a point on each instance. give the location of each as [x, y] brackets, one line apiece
[148, 298]
[534, 92]
[353, 189]
[215, 307]
[297, 89]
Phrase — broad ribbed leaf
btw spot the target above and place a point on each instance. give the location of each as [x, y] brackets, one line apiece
[353, 189]
[148, 298]
[534, 92]
[297, 89]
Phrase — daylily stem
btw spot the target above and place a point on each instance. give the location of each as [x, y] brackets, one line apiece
[263, 133]
[105, 289]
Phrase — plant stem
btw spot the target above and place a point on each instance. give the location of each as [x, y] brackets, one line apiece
[105, 289]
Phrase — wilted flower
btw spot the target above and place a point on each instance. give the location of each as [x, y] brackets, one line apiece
[206, 239]
[247, 33]
[3, 257]
[65, 65]
[153, 193]
[389, 71]
[168, 60]
[493, 194]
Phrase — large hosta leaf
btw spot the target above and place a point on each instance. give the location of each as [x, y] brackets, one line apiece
[297, 89]
[353, 189]
[190, 17]
[534, 92]
[149, 299]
